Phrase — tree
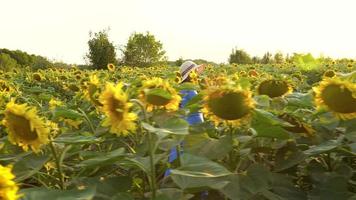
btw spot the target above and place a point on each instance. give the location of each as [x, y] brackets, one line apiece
[101, 50]
[267, 58]
[7, 63]
[143, 50]
[24, 59]
[179, 62]
[239, 56]
[278, 58]
[256, 60]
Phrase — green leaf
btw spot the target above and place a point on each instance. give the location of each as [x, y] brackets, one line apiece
[77, 139]
[205, 146]
[332, 187]
[66, 113]
[187, 86]
[267, 125]
[158, 92]
[262, 100]
[300, 100]
[28, 166]
[44, 193]
[245, 186]
[324, 147]
[107, 187]
[143, 163]
[172, 193]
[177, 126]
[198, 172]
[288, 157]
[103, 158]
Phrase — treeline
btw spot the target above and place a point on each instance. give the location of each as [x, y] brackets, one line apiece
[144, 50]
[239, 56]
[13, 59]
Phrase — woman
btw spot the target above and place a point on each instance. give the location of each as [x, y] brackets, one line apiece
[194, 118]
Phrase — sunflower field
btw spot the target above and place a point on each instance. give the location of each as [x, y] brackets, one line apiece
[270, 132]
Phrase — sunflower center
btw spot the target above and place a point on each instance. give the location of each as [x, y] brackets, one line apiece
[339, 99]
[117, 108]
[273, 88]
[229, 106]
[21, 127]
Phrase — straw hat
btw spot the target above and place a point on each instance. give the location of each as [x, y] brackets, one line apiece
[186, 68]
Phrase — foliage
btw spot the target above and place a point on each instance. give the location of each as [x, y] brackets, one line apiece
[305, 61]
[7, 63]
[239, 56]
[288, 149]
[24, 59]
[143, 50]
[101, 50]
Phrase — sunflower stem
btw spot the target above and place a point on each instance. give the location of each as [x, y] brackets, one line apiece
[88, 120]
[152, 177]
[59, 168]
[231, 154]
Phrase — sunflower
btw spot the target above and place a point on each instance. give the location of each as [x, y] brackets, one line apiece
[274, 88]
[193, 77]
[227, 104]
[72, 123]
[111, 67]
[337, 96]
[252, 73]
[116, 108]
[92, 91]
[25, 127]
[37, 76]
[53, 103]
[169, 101]
[4, 86]
[8, 187]
[242, 74]
[329, 74]
[178, 79]
[73, 87]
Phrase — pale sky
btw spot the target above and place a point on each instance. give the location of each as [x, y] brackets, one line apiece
[59, 29]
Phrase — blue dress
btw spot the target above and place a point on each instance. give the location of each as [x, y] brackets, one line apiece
[193, 118]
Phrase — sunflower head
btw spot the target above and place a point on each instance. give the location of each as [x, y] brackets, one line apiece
[178, 79]
[78, 77]
[227, 104]
[8, 187]
[92, 91]
[157, 93]
[243, 73]
[252, 73]
[4, 87]
[25, 127]
[177, 73]
[53, 103]
[111, 67]
[193, 77]
[117, 110]
[37, 76]
[337, 96]
[63, 77]
[329, 73]
[274, 88]
[77, 72]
